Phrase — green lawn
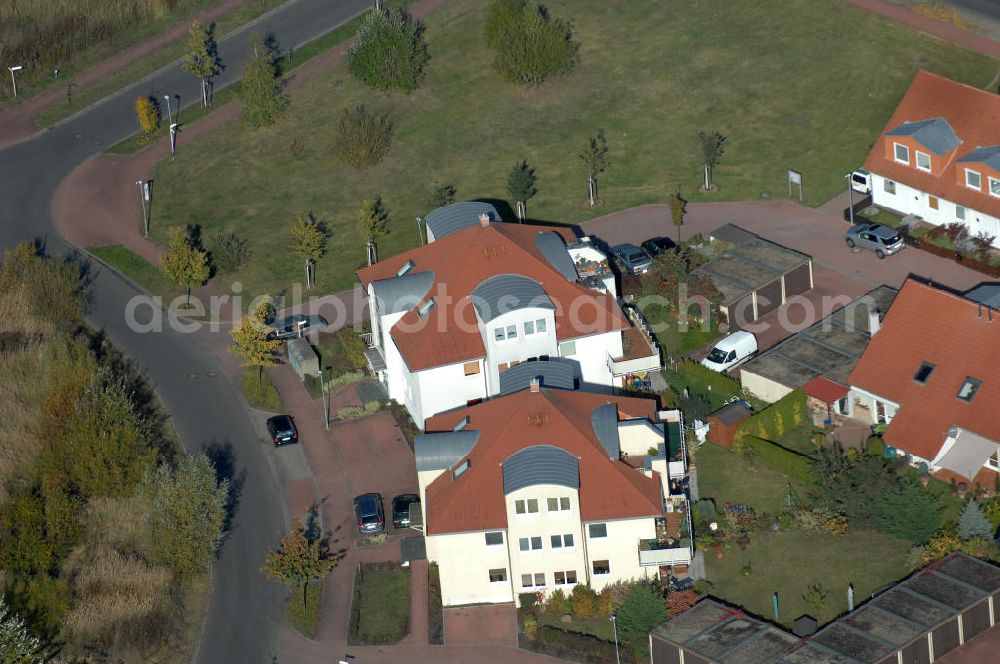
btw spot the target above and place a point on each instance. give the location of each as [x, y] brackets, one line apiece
[304, 616]
[724, 476]
[775, 78]
[786, 562]
[381, 609]
[598, 626]
[259, 391]
[136, 268]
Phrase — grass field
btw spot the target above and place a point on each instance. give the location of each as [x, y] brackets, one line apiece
[786, 562]
[780, 79]
[725, 477]
[305, 618]
[381, 604]
[136, 268]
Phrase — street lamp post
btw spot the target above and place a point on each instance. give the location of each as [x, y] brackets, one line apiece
[850, 200]
[326, 401]
[420, 229]
[170, 119]
[614, 627]
[13, 77]
[144, 197]
[173, 140]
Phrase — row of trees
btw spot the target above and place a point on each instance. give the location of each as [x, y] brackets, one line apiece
[103, 525]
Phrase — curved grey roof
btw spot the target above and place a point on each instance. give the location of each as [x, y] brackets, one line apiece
[988, 155]
[935, 134]
[440, 451]
[604, 421]
[508, 292]
[555, 372]
[540, 464]
[458, 216]
[554, 249]
[402, 293]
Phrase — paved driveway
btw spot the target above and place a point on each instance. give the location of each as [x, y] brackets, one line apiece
[493, 624]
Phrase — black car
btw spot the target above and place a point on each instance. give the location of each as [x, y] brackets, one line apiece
[295, 326]
[658, 245]
[368, 510]
[282, 430]
[401, 509]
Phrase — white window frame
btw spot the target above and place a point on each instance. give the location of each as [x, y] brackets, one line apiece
[562, 504]
[916, 161]
[525, 503]
[562, 542]
[499, 334]
[565, 581]
[960, 212]
[503, 580]
[530, 543]
[979, 178]
[567, 348]
[991, 181]
[895, 153]
[529, 327]
[889, 186]
[540, 325]
[494, 532]
[595, 572]
[591, 536]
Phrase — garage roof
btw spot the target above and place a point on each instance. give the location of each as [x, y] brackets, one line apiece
[752, 262]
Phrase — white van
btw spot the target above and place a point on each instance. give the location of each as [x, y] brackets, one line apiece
[861, 181]
[735, 349]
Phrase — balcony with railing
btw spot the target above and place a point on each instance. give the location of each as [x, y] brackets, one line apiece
[673, 545]
[641, 353]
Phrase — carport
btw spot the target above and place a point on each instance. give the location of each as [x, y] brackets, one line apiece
[755, 276]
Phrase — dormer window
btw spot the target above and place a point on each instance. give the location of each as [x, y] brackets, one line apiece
[994, 186]
[902, 153]
[923, 161]
[973, 180]
[407, 266]
[426, 307]
[969, 388]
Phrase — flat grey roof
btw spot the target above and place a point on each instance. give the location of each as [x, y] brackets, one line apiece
[752, 262]
[830, 347]
[874, 630]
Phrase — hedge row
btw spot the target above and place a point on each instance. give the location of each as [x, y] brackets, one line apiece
[574, 646]
[792, 464]
[777, 419]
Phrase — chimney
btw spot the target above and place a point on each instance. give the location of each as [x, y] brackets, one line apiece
[534, 386]
[484, 220]
[874, 322]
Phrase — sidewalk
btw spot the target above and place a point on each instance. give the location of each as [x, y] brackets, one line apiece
[17, 123]
[939, 29]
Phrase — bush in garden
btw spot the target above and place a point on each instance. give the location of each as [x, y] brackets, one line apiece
[973, 524]
[679, 601]
[229, 252]
[640, 611]
[362, 138]
[530, 45]
[389, 52]
[583, 601]
[556, 603]
[530, 626]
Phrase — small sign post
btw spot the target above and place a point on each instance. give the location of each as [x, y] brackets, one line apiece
[794, 177]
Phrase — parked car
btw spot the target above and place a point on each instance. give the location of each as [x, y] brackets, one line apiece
[731, 351]
[658, 245]
[632, 258]
[401, 509]
[884, 241]
[282, 430]
[861, 180]
[291, 327]
[368, 510]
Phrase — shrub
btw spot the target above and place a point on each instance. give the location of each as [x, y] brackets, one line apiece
[229, 252]
[679, 601]
[813, 520]
[147, 111]
[435, 610]
[616, 593]
[777, 419]
[875, 446]
[530, 626]
[528, 602]
[354, 349]
[260, 93]
[641, 610]
[530, 45]
[583, 601]
[389, 52]
[815, 595]
[973, 524]
[362, 138]
[556, 603]
[439, 196]
[354, 412]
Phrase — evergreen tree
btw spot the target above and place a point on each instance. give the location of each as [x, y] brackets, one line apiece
[185, 264]
[309, 239]
[973, 524]
[187, 513]
[642, 609]
[260, 94]
[521, 186]
[17, 644]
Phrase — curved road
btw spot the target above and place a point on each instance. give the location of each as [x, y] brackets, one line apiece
[245, 611]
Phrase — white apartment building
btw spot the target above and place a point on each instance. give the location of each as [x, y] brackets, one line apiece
[450, 317]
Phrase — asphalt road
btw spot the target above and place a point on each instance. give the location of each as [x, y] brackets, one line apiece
[245, 611]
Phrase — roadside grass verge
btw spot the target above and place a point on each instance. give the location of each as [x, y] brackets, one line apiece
[648, 77]
[260, 392]
[305, 618]
[135, 267]
[85, 96]
[380, 610]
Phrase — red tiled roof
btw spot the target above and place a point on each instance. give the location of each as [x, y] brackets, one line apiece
[927, 324]
[824, 389]
[461, 261]
[609, 489]
[973, 114]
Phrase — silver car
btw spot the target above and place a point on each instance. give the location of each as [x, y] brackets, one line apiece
[632, 258]
[884, 241]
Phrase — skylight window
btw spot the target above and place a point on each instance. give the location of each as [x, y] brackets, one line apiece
[968, 390]
[426, 307]
[409, 265]
[464, 466]
[923, 373]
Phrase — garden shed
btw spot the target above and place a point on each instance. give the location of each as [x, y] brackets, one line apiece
[723, 423]
[934, 611]
[755, 276]
[302, 357]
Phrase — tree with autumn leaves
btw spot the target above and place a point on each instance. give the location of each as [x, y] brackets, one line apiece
[252, 339]
[147, 110]
[185, 263]
[299, 560]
